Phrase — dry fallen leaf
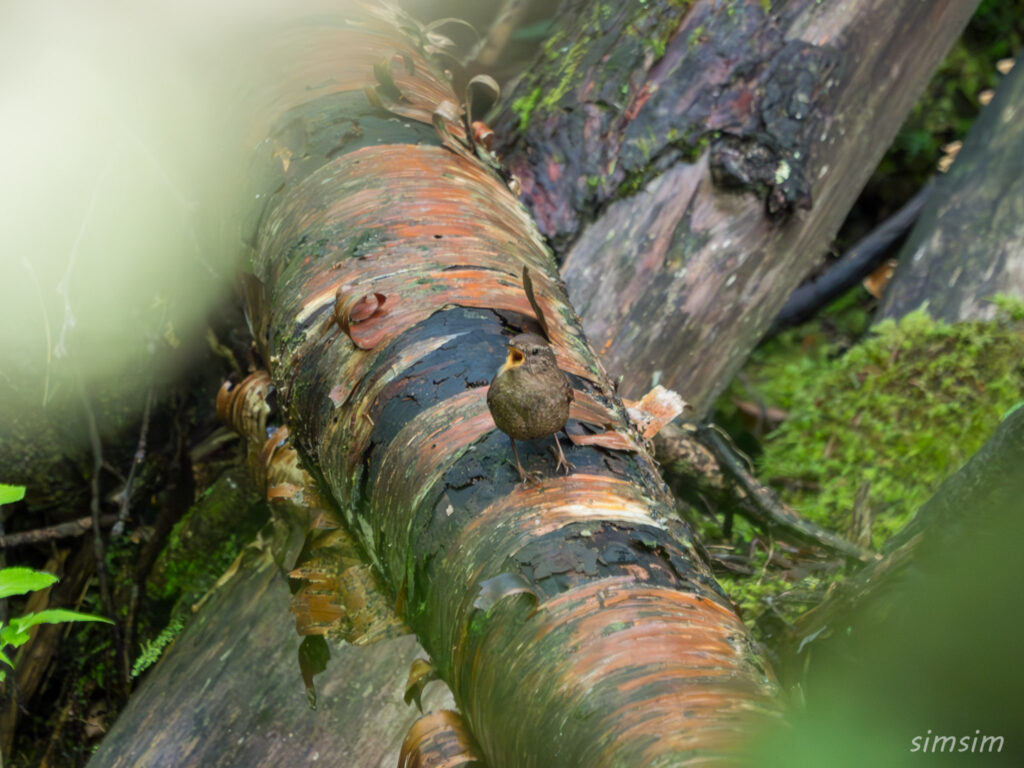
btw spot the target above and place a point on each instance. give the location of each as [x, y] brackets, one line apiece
[875, 282]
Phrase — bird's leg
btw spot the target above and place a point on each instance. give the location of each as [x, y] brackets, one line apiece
[515, 452]
[563, 463]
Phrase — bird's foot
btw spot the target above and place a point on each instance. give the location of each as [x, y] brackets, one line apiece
[563, 464]
[527, 478]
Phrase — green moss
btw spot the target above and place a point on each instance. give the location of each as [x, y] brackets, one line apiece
[524, 106]
[616, 626]
[632, 183]
[570, 56]
[664, 27]
[1010, 306]
[692, 152]
[901, 411]
[151, 650]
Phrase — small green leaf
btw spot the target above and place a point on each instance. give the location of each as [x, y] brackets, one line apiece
[5, 660]
[54, 616]
[11, 493]
[18, 581]
[13, 636]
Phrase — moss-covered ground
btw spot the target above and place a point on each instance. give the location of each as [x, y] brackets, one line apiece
[889, 418]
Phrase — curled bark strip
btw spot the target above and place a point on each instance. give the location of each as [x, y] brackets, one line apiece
[532, 298]
[447, 115]
[243, 406]
[338, 595]
[501, 586]
[587, 408]
[654, 410]
[479, 133]
[365, 308]
[343, 604]
[610, 439]
[482, 134]
[283, 476]
[420, 673]
[439, 740]
[481, 84]
[354, 308]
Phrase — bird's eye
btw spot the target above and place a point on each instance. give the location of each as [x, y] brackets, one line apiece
[534, 351]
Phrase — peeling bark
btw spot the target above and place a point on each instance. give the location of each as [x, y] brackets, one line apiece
[968, 244]
[717, 148]
[579, 603]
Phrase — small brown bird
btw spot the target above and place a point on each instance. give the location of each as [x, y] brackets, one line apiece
[530, 395]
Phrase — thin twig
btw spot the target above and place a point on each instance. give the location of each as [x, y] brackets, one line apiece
[94, 501]
[50, 532]
[765, 507]
[139, 457]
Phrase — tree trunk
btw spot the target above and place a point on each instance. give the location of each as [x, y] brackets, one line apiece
[575, 618]
[968, 244]
[718, 148]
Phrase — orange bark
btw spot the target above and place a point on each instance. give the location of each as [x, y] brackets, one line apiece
[393, 276]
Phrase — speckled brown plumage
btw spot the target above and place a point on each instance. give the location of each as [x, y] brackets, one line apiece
[530, 395]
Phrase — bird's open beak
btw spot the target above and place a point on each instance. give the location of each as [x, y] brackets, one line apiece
[515, 358]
